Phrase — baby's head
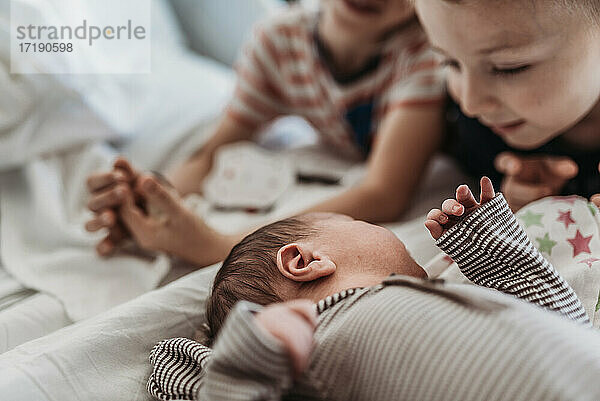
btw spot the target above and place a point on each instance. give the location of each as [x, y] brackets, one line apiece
[308, 256]
[526, 68]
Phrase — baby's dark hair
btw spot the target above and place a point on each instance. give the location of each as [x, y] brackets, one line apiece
[250, 271]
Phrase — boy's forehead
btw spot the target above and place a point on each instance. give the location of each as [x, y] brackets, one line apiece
[486, 26]
[508, 14]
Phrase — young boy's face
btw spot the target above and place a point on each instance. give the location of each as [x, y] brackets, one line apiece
[527, 69]
[369, 18]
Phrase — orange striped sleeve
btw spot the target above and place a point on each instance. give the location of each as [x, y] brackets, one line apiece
[257, 97]
[420, 82]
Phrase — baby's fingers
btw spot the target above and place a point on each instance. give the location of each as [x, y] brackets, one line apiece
[465, 196]
[435, 229]
[438, 216]
[435, 222]
[452, 207]
[487, 190]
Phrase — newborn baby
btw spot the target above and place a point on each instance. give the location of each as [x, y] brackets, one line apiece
[380, 330]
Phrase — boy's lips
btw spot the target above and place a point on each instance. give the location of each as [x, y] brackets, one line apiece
[506, 128]
[362, 7]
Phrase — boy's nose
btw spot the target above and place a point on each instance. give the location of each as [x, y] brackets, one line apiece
[476, 98]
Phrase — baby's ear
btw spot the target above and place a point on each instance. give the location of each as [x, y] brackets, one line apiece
[298, 262]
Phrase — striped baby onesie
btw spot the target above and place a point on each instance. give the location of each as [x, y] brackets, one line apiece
[413, 339]
[282, 71]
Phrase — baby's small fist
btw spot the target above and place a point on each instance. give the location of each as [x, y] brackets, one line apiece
[293, 324]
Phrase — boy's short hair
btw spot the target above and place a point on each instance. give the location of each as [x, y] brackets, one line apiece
[250, 271]
[589, 8]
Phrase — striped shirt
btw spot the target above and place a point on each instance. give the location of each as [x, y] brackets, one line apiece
[281, 72]
[413, 339]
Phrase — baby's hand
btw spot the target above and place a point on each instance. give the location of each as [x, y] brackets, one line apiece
[293, 324]
[439, 221]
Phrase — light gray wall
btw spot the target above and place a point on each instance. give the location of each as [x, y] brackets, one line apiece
[217, 28]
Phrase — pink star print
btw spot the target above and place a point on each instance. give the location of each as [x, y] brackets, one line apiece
[569, 199]
[565, 217]
[580, 243]
[589, 261]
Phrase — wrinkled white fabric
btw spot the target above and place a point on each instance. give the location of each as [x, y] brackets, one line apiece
[49, 127]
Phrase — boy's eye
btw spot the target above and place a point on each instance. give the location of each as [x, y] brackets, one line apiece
[510, 71]
[450, 63]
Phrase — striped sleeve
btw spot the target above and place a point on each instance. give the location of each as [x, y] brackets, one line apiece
[258, 96]
[492, 250]
[420, 80]
[177, 368]
[247, 364]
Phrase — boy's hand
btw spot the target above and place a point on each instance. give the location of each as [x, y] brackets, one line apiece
[108, 191]
[293, 323]
[166, 225]
[439, 221]
[530, 178]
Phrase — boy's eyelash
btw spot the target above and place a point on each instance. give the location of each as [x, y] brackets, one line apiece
[496, 71]
[510, 71]
[450, 63]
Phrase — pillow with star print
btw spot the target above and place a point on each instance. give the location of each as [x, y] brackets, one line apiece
[566, 230]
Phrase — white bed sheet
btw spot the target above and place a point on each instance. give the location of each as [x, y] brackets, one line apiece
[26, 314]
[105, 357]
[42, 203]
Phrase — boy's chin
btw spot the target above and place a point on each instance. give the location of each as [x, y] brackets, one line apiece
[527, 141]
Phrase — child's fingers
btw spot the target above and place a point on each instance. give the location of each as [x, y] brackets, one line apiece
[300, 347]
[98, 181]
[435, 222]
[305, 309]
[438, 216]
[156, 193]
[298, 333]
[452, 207]
[132, 215]
[465, 197]
[105, 247]
[596, 200]
[122, 164]
[108, 198]
[115, 237]
[507, 163]
[563, 168]
[293, 324]
[518, 194]
[435, 229]
[104, 219]
[487, 190]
